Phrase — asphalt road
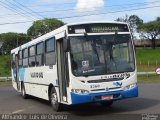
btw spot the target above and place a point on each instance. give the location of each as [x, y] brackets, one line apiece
[11, 102]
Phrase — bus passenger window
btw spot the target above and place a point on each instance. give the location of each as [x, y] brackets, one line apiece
[25, 57]
[50, 52]
[39, 54]
[32, 56]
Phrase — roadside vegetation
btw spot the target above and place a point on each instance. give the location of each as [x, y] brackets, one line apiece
[147, 59]
[5, 66]
[148, 78]
[5, 83]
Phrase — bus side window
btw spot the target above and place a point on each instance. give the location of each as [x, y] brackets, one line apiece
[32, 59]
[20, 58]
[39, 54]
[25, 57]
[50, 52]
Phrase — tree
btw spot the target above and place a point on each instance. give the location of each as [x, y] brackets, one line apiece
[134, 21]
[123, 19]
[158, 18]
[150, 31]
[41, 27]
[12, 40]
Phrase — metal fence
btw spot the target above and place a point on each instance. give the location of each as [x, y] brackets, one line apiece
[5, 79]
[146, 73]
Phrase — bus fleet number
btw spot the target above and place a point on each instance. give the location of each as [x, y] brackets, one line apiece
[94, 86]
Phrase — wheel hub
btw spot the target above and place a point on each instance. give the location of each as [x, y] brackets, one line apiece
[54, 98]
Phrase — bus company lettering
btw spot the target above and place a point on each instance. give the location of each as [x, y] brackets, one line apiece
[37, 75]
[123, 75]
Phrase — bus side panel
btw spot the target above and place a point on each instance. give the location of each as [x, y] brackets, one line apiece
[38, 79]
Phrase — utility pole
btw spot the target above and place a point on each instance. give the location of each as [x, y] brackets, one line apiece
[2, 50]
[17, 38]
[1, 46]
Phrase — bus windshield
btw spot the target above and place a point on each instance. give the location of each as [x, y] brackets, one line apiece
[101, 54]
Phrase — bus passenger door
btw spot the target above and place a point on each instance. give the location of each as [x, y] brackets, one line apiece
[62, 70]
[17, 73]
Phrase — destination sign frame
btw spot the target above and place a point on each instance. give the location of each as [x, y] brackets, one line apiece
[98, 28]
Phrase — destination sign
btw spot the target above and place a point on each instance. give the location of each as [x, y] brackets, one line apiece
[97, 28]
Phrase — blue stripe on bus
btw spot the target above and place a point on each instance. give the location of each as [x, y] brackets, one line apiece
[21, 73]
[96, 97]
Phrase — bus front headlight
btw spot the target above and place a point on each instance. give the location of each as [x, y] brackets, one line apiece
[80, 91]
[128, 87]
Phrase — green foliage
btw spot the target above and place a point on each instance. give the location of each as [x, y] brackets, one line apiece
[5, 66]
[134, 22]
[147, 59]
[11, 41]
[144, 55]
[123, 19]
[6, 83]
[149, 78]
[41, 27]
[150, 30]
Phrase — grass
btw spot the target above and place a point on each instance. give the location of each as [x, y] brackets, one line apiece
[149, 78]
[6, 83]
[147, 59]
[147, 68]
[145, 56]
[5, 66]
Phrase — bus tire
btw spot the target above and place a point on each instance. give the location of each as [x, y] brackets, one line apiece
[107, 103]
[23, 91]
[54, 101]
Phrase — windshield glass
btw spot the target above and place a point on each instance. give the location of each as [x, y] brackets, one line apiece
[98, 55]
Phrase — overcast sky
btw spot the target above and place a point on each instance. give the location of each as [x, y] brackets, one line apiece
[12, 11]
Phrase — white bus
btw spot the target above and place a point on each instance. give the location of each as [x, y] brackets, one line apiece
[78, 63]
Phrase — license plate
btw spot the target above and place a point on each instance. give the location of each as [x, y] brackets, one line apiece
[107, 97]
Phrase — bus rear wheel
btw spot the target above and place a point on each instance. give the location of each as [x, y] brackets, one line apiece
[54, 101]
[23, 91]
[107, 103]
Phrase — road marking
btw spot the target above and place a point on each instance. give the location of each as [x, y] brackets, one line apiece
[21, 110]
[18, 111]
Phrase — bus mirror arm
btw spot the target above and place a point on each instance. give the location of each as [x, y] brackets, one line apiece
[115, 36]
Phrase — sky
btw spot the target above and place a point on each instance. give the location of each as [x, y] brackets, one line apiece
[69, 11]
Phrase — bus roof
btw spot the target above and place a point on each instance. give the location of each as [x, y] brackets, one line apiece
[55, 33]
[41, 38]
[92, 22]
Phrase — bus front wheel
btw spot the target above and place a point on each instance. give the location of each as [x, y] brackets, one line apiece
[54, 100]
[107, 103]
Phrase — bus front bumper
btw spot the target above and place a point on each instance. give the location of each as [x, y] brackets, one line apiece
[96, 97]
